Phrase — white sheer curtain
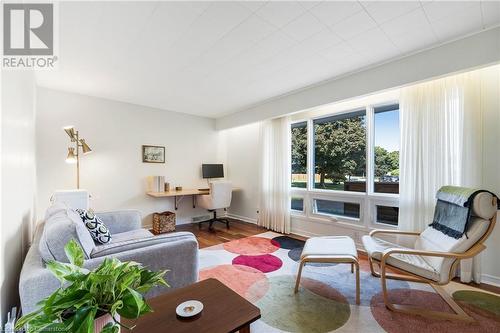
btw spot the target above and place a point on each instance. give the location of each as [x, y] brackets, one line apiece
[441, 144]
[274, 208]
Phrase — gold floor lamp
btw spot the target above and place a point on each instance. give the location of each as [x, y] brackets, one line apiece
[74, 152]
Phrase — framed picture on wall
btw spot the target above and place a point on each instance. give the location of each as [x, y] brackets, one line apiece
[153, 154]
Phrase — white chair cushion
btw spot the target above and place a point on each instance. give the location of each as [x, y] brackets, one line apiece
[434, 240]
[329, 246]
[410, 263]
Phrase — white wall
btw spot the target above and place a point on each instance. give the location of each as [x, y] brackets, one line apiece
[17, 180]
[242, 156]
[490, 103]
[114, 173]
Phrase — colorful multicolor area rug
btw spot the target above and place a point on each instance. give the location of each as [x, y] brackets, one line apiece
[262, 269]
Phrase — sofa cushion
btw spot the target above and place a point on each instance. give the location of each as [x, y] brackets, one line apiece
[63, 224]
[131, 235]
[97, 229]
[135, 242]
[119, 221]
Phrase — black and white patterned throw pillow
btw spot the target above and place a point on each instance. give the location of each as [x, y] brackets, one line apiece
[98, 230]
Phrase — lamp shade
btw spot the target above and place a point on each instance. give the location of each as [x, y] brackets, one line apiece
[70, 130]
[71, 158]
[85, 147]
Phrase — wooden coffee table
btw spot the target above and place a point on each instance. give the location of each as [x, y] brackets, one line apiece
[223, 311]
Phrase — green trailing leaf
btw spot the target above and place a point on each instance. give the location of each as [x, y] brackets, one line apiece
[65, 272]
[46, 304]
[113, 287]
[116, 306]
[71, 299]
[56, 327]
[150, 279]
[110, 328]
[133, 304]
[83, 321]
[47, 327]
[26, 319]
[74, 253]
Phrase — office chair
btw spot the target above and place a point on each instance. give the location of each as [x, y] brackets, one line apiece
[219, 197]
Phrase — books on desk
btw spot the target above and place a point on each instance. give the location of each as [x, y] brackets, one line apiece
[156, 183]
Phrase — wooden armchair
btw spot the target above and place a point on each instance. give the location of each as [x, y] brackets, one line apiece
[433, 258]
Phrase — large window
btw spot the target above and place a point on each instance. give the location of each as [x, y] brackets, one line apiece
[346, 165]
[299, 154]
[340, 152]
[386, 153]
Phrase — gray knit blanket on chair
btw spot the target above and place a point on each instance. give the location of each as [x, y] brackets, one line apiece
[453, 210]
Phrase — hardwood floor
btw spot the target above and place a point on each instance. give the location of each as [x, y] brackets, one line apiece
[239, 229]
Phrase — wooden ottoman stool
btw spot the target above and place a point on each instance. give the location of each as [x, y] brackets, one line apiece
[330, 249]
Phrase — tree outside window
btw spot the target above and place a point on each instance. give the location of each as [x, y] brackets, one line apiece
[299, 154]
[340, 152]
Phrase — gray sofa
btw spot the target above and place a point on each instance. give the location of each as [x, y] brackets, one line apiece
[177, 252]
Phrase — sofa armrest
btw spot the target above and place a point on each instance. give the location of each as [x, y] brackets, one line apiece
[113, 248]
[178, 255]
[121, 220]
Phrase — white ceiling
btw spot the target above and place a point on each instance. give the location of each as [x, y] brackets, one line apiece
[216, 58]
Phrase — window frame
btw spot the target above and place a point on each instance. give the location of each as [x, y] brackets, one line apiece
[381, 200]
[310, 146]
[335, 217]
[367, 200]
[380, 224]
[372, 145]
[299, 189]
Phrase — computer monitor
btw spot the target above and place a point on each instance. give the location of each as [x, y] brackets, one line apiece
[212, 170]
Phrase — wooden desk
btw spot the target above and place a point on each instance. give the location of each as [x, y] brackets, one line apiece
[224, 311]
[178, 194]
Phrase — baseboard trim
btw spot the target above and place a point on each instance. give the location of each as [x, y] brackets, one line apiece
[303, 233]
[490, 279]
[242, 218]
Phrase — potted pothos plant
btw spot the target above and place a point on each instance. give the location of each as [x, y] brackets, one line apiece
[92, 301]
